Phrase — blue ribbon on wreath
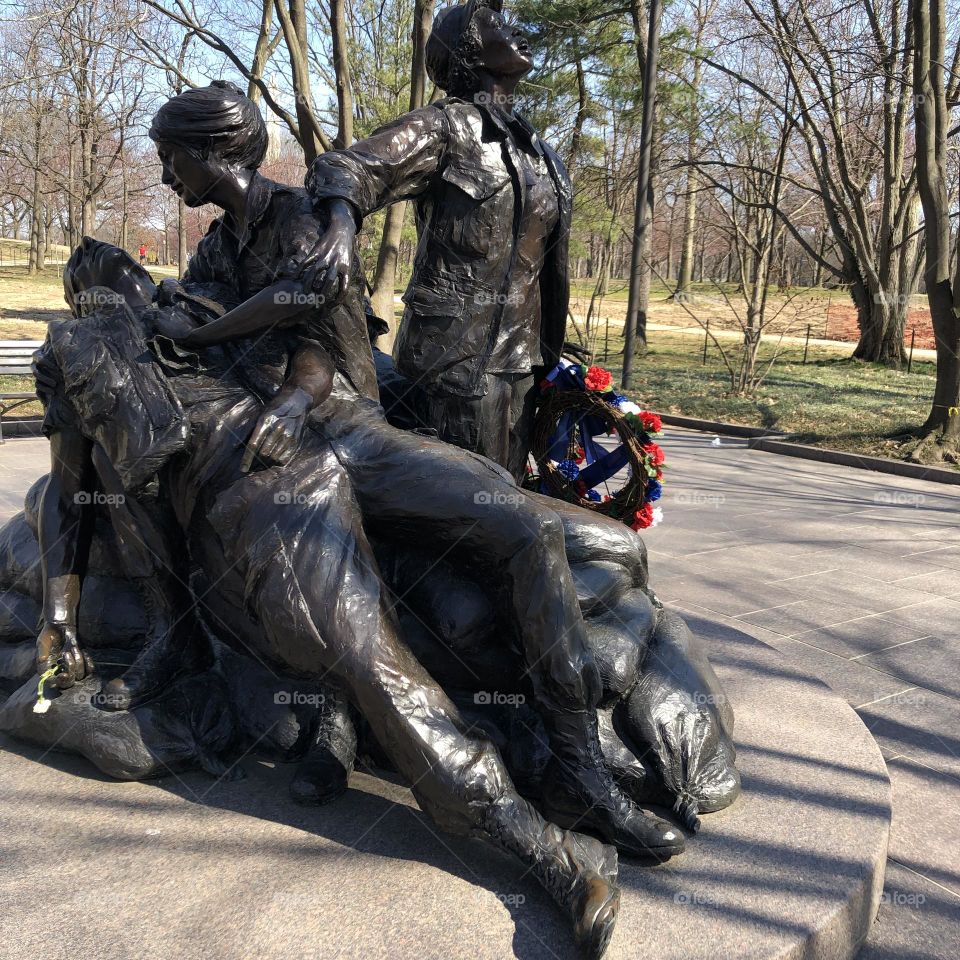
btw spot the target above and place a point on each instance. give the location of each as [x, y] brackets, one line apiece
[601, 464]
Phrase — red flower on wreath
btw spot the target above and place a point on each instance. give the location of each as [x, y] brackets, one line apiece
[579, 456]
[651, 422]
[596, 378]
[655, 454]
[643, 518]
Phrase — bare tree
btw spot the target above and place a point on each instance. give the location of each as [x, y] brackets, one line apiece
[639, 291]
[849, 69]
[940, 435]
[385, 274]
[702, 12]
[304, 122]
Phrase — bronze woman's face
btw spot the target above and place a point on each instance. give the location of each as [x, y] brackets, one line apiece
[505, 51]
[188, 174]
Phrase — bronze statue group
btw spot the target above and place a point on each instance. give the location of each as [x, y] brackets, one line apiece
[220, 458]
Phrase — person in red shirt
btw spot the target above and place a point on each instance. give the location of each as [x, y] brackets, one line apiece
[143, 254]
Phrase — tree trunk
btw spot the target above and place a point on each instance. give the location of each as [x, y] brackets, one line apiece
[260, 51]
[341, 72]
[385, 275]
[943, 423]
[941, 432]
[818, 263]
[576, 137]
[124, 200]
[33, 264]
[72, 236]
[639, 293]
[293, 20]
[88, 210]
[882, 320]
[42, 241]
[685, 276]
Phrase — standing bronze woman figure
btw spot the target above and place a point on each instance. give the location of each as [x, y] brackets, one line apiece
[486, 306]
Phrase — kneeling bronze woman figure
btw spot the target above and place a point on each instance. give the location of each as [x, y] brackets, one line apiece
[408, 484]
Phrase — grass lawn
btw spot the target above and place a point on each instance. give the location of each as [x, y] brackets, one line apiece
[831, 401]
[28, 304]
[21, 385]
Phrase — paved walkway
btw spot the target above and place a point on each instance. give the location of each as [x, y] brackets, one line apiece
[856, 575]
[852, 574]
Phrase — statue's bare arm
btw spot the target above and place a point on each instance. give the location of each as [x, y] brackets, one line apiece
[65, 529]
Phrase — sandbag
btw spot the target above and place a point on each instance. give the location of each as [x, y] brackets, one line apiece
[190, 724]
[678, 711]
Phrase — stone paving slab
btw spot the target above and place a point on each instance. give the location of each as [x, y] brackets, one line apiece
[21, 462]
[942, 582]
[857, 684]
[856, 639]
[925, 822]
[801, 616]
[933, 663]
[918, 724]
[939, 616]
[917, 920]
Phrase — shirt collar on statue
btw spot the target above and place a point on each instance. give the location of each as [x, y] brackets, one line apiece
[515, 126]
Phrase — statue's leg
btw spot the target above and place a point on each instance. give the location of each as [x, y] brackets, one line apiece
[522, 408]
[322, 606]
[497, 425]
[412, 486]
[323, 774]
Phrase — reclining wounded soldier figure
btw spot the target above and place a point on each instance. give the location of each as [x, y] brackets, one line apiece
[456, 626]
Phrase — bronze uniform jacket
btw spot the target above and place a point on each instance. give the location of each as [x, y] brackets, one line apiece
[458, 163]
[282, 229]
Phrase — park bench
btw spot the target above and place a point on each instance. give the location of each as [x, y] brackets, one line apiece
[15, 360]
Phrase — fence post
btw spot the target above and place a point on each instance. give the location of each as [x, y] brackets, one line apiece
[913, 340]
[806, 345]
[706, 341]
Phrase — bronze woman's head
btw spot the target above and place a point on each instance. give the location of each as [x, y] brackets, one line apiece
[471, 39]
[202, 135]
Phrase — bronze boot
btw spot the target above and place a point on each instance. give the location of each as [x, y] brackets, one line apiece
[323, 774]
[578, 872]
[580, 793]
[171, 649]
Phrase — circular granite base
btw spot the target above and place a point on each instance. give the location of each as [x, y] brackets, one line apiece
[190, 868]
